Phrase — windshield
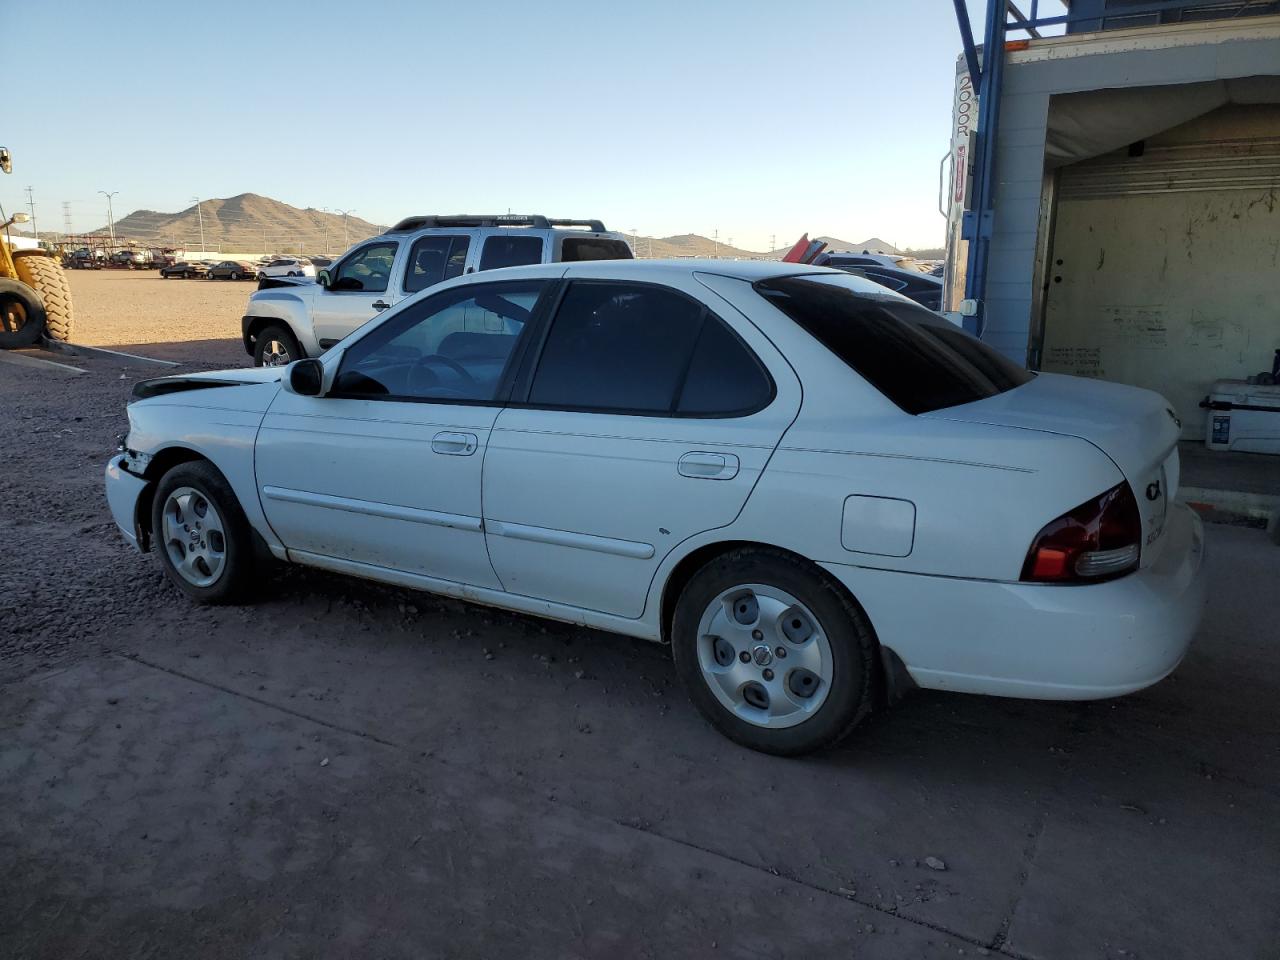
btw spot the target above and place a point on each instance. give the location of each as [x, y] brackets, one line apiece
[914, 357]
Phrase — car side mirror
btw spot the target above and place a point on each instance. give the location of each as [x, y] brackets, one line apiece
[306, 378]
[324, 279]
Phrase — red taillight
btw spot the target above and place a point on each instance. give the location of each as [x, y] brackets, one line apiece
[1097, 540]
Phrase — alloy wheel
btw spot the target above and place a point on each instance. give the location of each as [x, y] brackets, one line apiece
[764, 655]
[194, 537]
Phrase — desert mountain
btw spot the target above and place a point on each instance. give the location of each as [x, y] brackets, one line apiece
[253, 223]
[248, 222]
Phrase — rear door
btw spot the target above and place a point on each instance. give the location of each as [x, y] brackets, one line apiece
[360, 287]
[645, 418]
[436, 257]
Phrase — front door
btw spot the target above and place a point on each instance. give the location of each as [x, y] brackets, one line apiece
[647, 420]
[359, 288]
[386, 469]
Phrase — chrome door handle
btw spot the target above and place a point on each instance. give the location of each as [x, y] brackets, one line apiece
[704, 465]
[455, 444]
[380, 305]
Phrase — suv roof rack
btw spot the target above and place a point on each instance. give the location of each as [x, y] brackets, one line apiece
[495, 220]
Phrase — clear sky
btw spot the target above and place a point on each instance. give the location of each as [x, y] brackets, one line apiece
[751, 118]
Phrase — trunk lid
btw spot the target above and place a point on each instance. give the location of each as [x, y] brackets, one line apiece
[1137, 429]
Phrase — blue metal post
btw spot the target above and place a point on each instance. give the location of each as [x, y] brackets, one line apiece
[977, 226]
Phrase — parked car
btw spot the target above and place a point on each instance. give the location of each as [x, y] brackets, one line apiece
[817, 492]
[186, 269]
[233, 270]
[282, 325]
[923, 288]
[286, 267]
[843, 259]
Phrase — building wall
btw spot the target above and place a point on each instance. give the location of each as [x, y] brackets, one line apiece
[1110, 14]
[1020, 153]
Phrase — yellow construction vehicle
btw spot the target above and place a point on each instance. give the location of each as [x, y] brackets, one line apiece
[35, 299]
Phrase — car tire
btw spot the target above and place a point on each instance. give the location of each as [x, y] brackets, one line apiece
[810, 652]
[234, 275]
[275, 346]
[201, 537]
[186, 275]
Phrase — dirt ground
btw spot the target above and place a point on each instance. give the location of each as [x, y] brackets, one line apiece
[342, 771]
[117, 308]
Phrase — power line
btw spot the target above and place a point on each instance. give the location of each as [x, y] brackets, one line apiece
[32, 204]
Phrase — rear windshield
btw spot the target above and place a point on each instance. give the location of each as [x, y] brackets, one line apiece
[916, 359]
[594, 248]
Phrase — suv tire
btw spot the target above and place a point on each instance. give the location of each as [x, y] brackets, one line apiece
[275, 346]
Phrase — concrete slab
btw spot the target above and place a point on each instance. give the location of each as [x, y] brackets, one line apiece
[148, 815]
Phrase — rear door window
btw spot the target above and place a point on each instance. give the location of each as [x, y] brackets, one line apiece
[644, 349]
[724, 377]
[434, 259]
[917, 360]
[501, 250]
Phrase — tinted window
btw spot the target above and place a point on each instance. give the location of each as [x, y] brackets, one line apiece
[454, 346]
[617, 346]
[433, 259]
[594, 248]
[367, 269]
[918, 361]
[514, 251]
[724, 376]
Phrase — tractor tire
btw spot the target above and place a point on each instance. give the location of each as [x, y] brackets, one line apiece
[46, 276]
[22, 315]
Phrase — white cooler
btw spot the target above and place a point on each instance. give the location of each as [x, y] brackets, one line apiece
[1242, 417]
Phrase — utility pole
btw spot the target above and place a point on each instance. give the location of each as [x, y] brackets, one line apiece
[715, 238]
[111, 218]
[346, 239]
[66, 219]
[32, 205]
[635, 241]
[773, 243]
[200, 217]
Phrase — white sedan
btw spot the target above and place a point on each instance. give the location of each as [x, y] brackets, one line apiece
[818, 493]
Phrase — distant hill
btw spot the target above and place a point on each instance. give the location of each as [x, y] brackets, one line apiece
[696, 245]
[247, 222]
[250, 222]
[690, 245]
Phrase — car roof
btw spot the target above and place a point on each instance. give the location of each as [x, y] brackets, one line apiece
[658, 271]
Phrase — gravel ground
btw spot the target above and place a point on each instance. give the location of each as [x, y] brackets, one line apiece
[349, 770]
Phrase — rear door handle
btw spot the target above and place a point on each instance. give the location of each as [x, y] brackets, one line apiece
[455, 444]
[380, 305]
[704, 465]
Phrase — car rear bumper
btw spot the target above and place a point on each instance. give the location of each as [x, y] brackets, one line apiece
[123, 492]
[1038, 641]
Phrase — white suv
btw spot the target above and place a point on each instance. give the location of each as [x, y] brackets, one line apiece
[286, 267]
[288, 322]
